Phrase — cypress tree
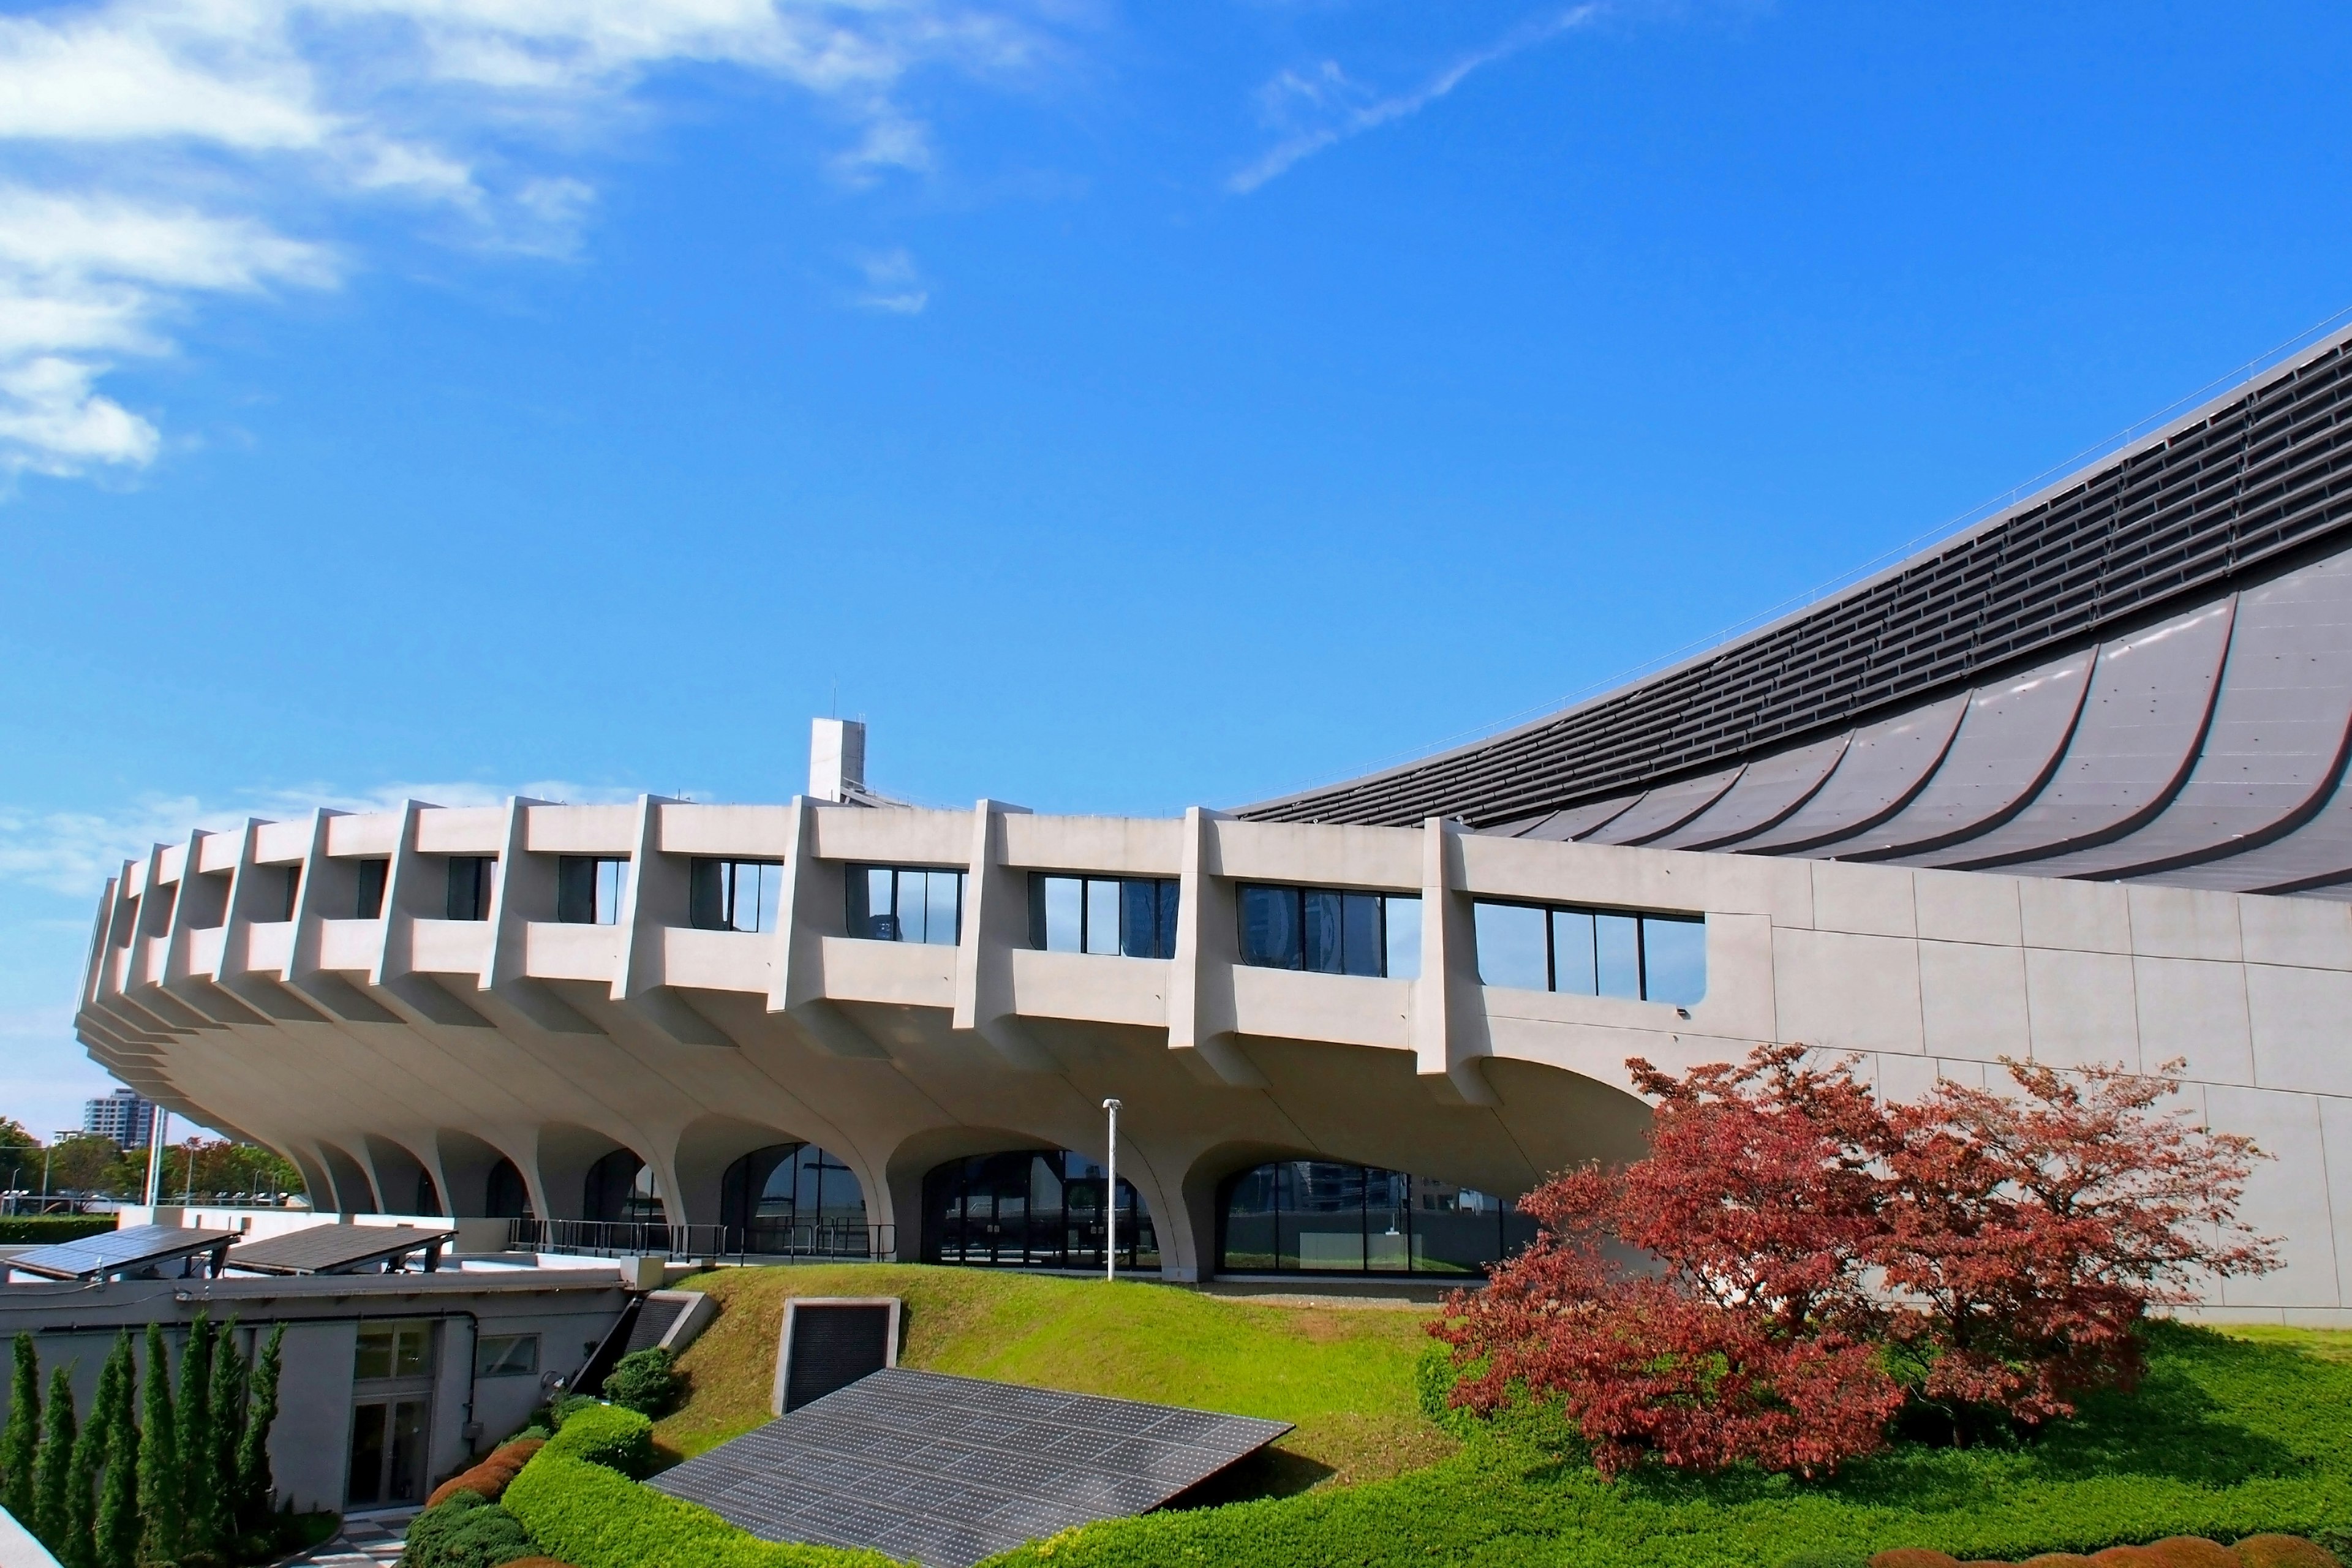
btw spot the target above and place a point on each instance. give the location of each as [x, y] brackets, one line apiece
[219, 1467]
[159, 1459]
[21, 1441]
[195, 1435]
[114, 1539]
[254, 1482]
[80, 1549]
[53, 1467]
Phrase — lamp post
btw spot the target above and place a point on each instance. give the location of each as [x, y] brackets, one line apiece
[156, 1131]
[1111, 1196]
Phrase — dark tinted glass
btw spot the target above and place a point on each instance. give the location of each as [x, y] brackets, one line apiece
[469, 885]
[706, 895]
[1138, 919]
[575, 890]
[1270, 927]
[1361, 950]
[370, 903]
[1324, 949]
[1168, 892]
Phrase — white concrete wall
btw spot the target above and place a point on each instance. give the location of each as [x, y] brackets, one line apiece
[370, 1048]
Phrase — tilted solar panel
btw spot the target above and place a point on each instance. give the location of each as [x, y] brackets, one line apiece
[945, 1471]
[138, 1246]
[327, 1249]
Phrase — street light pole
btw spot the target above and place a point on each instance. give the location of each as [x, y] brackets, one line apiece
[1111, 1196]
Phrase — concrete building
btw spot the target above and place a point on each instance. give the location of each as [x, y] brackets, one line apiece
[2068, 787]
[123, 1116]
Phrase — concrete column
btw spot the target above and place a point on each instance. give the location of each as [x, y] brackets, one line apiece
[1200, 979]
[995, 923]
[809, 908]
[1448, 1021]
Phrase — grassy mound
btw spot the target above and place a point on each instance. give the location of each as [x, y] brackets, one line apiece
[1343, 1374]
[2230, 1436]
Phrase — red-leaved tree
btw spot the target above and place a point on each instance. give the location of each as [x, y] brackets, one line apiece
[1796, 1258]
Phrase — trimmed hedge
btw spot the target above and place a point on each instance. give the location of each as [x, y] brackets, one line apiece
[465, 1531]
[595, 1517]
[48, 1229]
[488, 1479]
[609, 1436]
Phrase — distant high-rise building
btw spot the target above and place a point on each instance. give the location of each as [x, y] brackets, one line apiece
[123, 1116]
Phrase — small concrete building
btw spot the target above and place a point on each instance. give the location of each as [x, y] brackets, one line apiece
[390, 1383]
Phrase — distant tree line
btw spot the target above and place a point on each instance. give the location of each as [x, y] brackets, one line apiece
[154, 1478]
[89, 1165]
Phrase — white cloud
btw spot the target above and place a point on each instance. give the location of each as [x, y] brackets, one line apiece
[1319, 106]
[150, 149]
[893, 283]
[74, 852]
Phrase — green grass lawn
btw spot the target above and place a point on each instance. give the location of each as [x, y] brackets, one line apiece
[2232, 1434]
[1344, 1375]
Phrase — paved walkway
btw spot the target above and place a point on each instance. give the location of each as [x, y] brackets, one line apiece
[368, 1540]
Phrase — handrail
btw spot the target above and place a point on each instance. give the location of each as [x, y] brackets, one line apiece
[655, 1238]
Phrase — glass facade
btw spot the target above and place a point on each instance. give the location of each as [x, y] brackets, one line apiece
[589, 889]
[733, 895]
[1037, 1208]
[1133, 916]
[1592, 953]
[505, 1195]
[1321, 1216]
[905, 903]
[621, 1187]
[1331, 932]
[793, 1199]
[367, 901]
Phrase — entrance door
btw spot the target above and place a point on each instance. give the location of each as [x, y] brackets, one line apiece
[388, 1452]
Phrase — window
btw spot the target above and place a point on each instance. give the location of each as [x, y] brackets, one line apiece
[393, 1350]
[733, 895]
[1323, 1216]
[905, 903]
[794, 1199]
[1330, 931]
[293, 875]
[1133, 916]
[369, 902]
[588, 890]
[1592, 953]
[507, 1355]
[1035, 1208]
[469, 886]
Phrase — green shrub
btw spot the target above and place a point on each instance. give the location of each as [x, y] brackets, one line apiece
[48, 1229]
[606, 1434]
[1811, 1558]
[466, 1533]
[592, 1517]
[645, 1382]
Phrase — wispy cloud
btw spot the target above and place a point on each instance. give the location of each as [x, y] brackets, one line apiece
[151, 150]
[73, 852]
[1321, 106]
[893, 283]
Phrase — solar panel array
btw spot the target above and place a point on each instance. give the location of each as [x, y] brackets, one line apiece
[117, 1251]
[330, 1248]
[2221, 494]
[945, 1471]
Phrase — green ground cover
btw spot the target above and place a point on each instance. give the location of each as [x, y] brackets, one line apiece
[2229, 1437]
[2232, 1435]
[1343, 1374]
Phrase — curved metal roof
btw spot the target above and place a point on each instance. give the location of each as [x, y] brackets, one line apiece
[2146, 668]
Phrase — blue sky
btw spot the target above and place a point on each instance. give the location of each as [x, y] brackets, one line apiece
[1118, 407]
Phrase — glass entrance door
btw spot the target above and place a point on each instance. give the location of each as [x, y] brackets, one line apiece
[388, 1452]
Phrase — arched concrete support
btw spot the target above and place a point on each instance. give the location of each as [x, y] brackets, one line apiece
[465, 1163]
[353, 1192]
[397, 1169]
[703, 1153]
[315, 1180]
[558, 1169]
[916, 1157]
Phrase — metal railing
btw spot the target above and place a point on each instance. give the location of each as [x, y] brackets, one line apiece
[643, 1238]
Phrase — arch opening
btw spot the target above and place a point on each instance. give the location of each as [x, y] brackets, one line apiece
[505, 1195]
[621, 1188]
[1031, 1209]
[1324, 1216]
[794, 1199]
[427, 1197]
